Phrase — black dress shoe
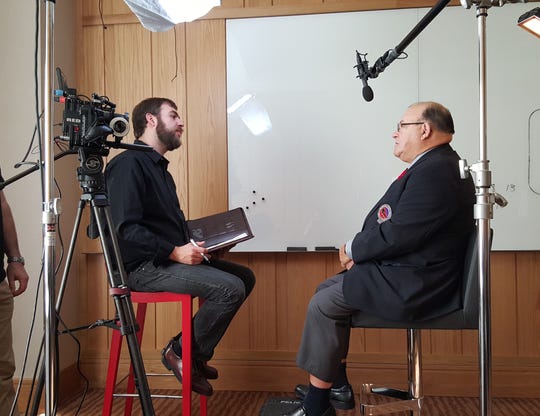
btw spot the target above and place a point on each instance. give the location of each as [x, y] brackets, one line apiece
[341, 398]
[301, 411]
[173, 362]
[209, 372]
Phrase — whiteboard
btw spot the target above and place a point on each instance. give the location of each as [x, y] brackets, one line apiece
[308, 157]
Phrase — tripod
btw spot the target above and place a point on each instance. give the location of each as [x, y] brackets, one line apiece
[92, 183]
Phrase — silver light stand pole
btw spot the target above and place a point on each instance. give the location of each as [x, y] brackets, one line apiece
[49, 218]
[483, 211]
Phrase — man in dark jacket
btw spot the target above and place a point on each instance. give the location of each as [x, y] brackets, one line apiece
[405, 264]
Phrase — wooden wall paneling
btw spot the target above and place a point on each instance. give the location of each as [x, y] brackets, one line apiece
[238, 335]
[257, 3]
[128, 75]
[446, 342]
[262, 317]
[297, 281]
[91, 7]
[231, 3]
[169, 80]
[469, 339]
[90, 74]
[296, 2]
[119, 7]
[206, 117]
[504, 305]
[385, 341]
[528, 302]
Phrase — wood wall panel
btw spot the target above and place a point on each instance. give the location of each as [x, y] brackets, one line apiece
[528, 295]
[504, 303]
[206, 118]
[129, 63]
[169, 80]
[91, 72]
[128, 76]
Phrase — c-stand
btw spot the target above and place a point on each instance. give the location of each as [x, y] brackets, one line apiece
[91, 180]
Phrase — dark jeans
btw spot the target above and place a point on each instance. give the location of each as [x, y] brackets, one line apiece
[223, 285]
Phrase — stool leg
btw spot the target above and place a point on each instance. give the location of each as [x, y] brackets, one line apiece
[112, 372]
[203, 400]
[187, 312]
[141, 316]
[414, 358]
[203, 405]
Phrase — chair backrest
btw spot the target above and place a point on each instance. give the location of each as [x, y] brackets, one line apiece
[470, 289]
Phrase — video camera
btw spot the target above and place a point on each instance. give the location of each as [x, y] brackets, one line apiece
[87, 122]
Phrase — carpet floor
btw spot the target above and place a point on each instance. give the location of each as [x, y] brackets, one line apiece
[233, 403]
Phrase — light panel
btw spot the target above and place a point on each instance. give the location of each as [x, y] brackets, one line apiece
[530, 21]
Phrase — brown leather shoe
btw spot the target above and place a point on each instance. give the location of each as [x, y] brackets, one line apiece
[209, 372]
[173, 362]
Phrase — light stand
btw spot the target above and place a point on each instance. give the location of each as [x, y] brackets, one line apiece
[92, 183]
[49, 219]
[483, 212]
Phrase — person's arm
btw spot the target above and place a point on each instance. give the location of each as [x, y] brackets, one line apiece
[16, 274]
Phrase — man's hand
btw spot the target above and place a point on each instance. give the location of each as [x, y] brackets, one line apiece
[189, 254]
[17, 278]
[345, 260]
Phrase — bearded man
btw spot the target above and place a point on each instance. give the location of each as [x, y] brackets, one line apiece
[156, 250]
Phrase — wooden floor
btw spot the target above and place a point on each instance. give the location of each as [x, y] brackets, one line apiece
[229, 403]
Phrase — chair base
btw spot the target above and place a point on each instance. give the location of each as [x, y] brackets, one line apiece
[403, 402]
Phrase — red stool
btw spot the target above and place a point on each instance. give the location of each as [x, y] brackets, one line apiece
[143, 299]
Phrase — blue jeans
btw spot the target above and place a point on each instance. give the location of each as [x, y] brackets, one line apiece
[223, 285]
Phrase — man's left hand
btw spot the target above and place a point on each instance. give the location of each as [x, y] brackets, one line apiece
[16, 273]
[345, 260]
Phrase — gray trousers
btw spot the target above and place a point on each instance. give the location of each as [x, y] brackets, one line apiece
[327, 329]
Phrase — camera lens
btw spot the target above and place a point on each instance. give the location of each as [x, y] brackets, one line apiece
[120, 126]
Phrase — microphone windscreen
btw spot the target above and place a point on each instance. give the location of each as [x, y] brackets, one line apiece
[367, 93]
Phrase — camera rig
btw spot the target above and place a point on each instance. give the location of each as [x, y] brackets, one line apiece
[87, 123]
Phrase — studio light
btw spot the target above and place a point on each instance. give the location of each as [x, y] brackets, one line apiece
[162, 15]
[530, 21]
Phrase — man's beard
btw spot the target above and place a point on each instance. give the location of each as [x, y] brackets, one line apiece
[167, 137]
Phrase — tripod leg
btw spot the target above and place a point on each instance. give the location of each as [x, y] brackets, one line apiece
[121, 296]
[40, 383]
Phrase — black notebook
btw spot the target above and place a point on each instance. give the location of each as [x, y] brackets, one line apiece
[220, 230]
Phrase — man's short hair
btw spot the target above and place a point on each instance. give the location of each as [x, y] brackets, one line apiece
[149, 105]
[439, 117]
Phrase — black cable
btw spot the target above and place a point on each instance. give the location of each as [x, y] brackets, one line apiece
[86, 381]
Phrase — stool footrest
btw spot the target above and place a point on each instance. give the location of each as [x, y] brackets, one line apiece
[153, 396]
[403, 402]
[414, 406]
[389, 392]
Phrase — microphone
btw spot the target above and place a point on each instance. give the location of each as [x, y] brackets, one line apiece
[363, 73]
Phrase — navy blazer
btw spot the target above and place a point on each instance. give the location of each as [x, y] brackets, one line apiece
[409, 255]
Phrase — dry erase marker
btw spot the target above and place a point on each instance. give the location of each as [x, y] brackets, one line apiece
[196, 245]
